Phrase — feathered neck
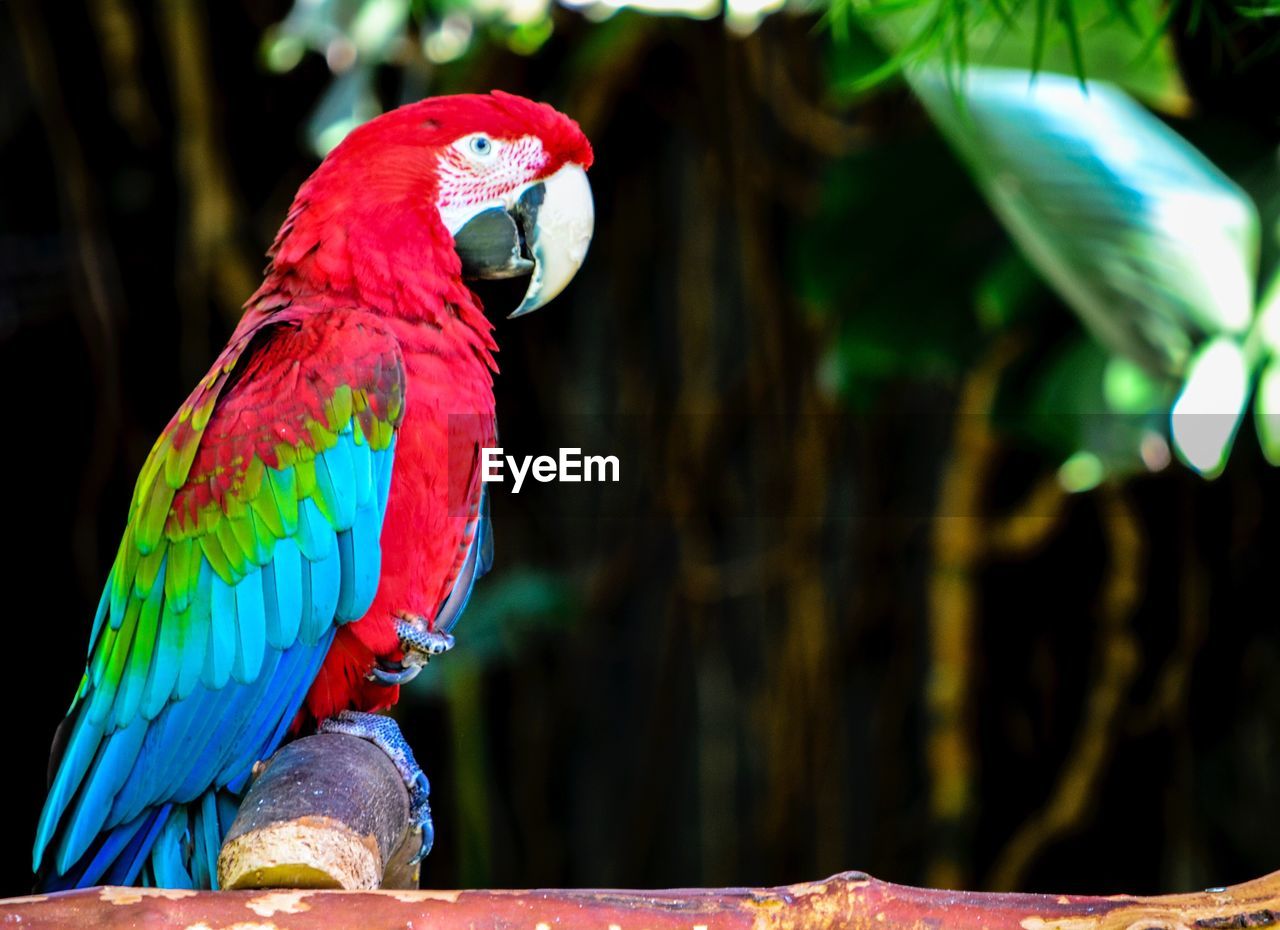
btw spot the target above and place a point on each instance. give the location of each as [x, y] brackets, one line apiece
[386, 254]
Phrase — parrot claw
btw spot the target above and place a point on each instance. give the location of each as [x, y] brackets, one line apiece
[384, 733]
[390, 673]
[419, 645]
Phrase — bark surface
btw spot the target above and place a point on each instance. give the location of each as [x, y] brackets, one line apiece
[850, 901]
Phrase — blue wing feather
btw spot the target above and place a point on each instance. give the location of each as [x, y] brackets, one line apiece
[166, 862]
[251, 624]
[325, 585]
[201, 661]
[336, 478]
[88, 813]
[362, 471]
[163, 675]
[315, 534]
[285, 599]
[383, 461]
[221, 650]
[196, 636]
[128, 863]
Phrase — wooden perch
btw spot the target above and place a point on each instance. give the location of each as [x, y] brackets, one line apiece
[330, 812]
[851, 901]
[327, 811]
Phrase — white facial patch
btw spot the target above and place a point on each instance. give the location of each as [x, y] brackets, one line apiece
[471, 178]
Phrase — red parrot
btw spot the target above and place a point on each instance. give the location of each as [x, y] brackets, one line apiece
[308, 528]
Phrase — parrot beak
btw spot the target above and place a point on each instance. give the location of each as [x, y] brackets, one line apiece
[545, 230]
[558, 217]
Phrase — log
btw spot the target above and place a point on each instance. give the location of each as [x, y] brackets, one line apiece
[331, 812]
[851, 901]
[326, 811]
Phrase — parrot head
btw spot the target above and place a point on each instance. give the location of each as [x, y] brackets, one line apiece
[496, 182]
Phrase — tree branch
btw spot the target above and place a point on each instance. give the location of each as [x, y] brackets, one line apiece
[850, 900]
[327, 811]
[331, 811]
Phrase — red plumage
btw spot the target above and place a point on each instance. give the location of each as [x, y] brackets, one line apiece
[324, 472]
[364, 233]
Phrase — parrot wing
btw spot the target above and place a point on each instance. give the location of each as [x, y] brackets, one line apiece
[253, 533]
[475, 565]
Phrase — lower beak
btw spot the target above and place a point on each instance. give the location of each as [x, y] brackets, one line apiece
[546, 231]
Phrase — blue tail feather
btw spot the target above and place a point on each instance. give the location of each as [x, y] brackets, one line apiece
[125, 869]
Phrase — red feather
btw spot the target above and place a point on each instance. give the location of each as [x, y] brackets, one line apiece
[364, 232]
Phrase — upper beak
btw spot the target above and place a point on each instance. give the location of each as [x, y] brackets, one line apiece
[544, 229]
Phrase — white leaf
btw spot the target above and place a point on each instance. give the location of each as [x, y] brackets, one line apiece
[1139, 233]
[1207, 412]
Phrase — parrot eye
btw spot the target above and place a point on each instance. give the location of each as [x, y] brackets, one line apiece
[481, 145]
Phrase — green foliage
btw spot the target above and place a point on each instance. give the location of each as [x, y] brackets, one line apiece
[1207, 413]
[880, 263]
[1123, 41]
[359, 39]
[1266, 342]
[1152, 246]
[1146, 240]
[1098, 414]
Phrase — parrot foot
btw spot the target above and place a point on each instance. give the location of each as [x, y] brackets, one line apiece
[419, 644]
[384, 733]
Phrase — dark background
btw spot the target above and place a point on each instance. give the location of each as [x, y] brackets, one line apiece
[837, 614]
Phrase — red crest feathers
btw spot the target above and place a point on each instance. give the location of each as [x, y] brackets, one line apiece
[437, 121]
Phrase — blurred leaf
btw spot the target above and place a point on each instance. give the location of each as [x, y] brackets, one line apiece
[282, 51]
[1082, 472]
[378, 25]
[1083, 405]
[1147, 241]
[449, 40]
[855, 62]
[1266, 340]
[1067, 16]
[888, 262]
[1208, 411]
[1121, 41]
[1003, 292]
[1129, 388]
[693, 9]
[1268, 321]
[1266, 412]
[527, 37]
[348, 101]
[316, 23]
[860, 64]
[1067, 392]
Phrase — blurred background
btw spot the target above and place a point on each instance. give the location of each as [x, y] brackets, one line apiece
[945, 545]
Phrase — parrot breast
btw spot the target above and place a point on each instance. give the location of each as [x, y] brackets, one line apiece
[431, 510]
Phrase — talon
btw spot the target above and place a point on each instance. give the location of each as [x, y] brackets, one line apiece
[428, 840]
[388, 675]
[418, 645]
